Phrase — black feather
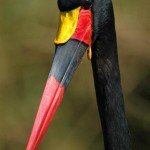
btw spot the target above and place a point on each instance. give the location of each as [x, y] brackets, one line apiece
[107, 78]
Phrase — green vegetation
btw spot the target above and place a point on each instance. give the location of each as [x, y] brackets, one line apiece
[27, 31]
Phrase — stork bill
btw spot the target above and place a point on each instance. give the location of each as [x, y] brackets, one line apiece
[72, 41]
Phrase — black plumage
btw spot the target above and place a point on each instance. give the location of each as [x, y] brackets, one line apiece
[67, 5]
[107, 78]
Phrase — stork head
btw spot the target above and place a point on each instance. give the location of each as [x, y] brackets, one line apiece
[81, 23]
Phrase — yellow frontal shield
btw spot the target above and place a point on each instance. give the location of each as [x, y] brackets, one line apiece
[67, 25]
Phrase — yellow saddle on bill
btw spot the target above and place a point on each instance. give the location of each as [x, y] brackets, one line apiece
[67, 25]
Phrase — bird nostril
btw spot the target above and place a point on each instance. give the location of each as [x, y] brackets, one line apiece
[86, 4]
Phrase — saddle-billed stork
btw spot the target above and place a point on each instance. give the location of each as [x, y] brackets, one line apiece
[85, 24]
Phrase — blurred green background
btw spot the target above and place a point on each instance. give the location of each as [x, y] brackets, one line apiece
[27, 31]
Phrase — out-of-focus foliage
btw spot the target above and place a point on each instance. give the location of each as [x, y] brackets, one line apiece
[27, 30]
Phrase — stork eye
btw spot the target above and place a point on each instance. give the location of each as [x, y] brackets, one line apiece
[86, 4]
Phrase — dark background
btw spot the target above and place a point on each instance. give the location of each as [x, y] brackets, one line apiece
[27, 31]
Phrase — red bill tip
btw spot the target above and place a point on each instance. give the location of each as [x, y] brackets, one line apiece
[52, 96]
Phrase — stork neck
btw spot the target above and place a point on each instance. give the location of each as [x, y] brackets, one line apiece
[107, 78]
